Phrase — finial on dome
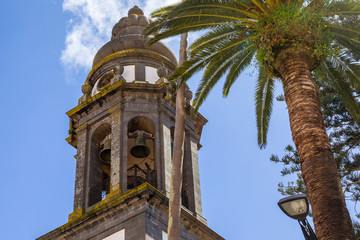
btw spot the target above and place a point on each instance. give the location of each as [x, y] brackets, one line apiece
[135, 10]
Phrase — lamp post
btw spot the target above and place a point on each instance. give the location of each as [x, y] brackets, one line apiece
[297, 207]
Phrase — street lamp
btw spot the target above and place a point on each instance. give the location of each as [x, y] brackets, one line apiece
[297, 207]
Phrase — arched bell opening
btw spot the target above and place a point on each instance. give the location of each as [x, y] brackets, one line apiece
[140, 162]
[100, 159]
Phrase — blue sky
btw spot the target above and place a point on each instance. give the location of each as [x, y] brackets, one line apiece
[46, 50]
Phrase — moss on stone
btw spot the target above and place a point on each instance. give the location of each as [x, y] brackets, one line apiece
[111, 200]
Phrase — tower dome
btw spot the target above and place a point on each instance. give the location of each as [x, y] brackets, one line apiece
[128, 55]
[126, 34]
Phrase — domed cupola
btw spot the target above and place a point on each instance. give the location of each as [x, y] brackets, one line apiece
[127, 56]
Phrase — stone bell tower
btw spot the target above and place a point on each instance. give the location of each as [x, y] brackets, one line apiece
[123, 130]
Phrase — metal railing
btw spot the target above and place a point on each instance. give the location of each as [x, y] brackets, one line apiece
[98, 192]
[137, 176]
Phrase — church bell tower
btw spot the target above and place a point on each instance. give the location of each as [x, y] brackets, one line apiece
[123, 129]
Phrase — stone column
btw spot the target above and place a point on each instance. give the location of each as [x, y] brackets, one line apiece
[196, 177]
[159, 143]
[167, 162]
[188, 178]
[123, 145]
[115, 152]
[81, 163]
[140, 72]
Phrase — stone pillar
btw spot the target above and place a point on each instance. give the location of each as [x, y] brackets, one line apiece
[157, 150]
[188, 182]
[140, 72]
[196, 177]
[159, 160]
[124, 145]
[115, 152]
[166, 173]
[81, 162]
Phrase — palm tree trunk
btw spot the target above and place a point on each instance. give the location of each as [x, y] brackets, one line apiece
[174, 224]
[319, 170]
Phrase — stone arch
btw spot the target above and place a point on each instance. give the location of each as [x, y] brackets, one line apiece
[141, 122]
[141, 169]
[99, 175]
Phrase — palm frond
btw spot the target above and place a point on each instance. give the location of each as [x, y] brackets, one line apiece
[334, 77]
[216, 35]
[261, 6]
[237, 68]
[341, 13]
[197, 61]
[194, 15]
[239, 8]
[264, 95]
[340, 7]
[216, 69]
[271, 5]
[205, 17]
[347, 42]
[334, 27]
[346, 35]
[348, 69]
[188, 28]
[163, 12]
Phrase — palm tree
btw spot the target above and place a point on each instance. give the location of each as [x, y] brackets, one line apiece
[289, 40]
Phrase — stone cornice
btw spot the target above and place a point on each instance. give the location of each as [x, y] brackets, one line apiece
[130, 53]
[115, 203]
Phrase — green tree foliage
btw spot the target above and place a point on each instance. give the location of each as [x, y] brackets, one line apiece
[241, 30]
[344, 134]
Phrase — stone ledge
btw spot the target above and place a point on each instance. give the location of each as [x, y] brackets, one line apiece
[145, 190]
[144, 195]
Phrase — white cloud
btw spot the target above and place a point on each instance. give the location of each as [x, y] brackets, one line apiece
[152, 5]
[90, 27]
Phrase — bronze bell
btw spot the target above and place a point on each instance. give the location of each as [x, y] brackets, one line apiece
[105, 153]
[140, 150]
